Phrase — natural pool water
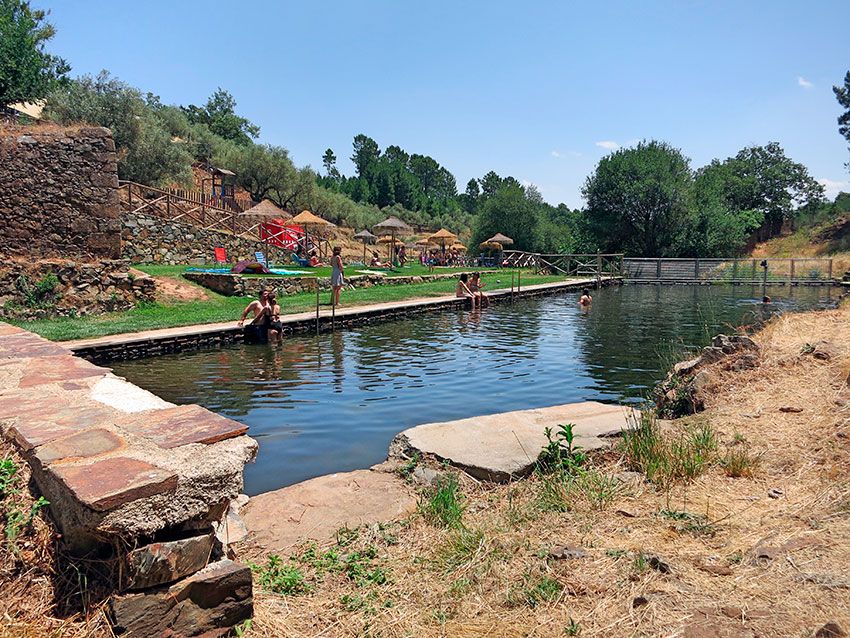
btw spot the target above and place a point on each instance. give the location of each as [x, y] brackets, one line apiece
[333, 403]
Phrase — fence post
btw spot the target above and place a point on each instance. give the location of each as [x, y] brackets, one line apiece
[658, 269]
[791, 278]
[829, 276]
[317, 306]
[696, 269]
[598, 270]
[735, 271]
[168, 206]
[754, 270]
[130, 196]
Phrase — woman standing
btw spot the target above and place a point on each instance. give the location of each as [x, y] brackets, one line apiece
[337, 272]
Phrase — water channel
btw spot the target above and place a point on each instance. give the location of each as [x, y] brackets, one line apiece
[333, 403]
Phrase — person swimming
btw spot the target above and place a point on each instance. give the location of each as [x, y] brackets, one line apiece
[586, 300]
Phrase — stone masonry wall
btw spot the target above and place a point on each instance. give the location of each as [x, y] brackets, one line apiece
[61, 287]
[58, 196]
[150, 239]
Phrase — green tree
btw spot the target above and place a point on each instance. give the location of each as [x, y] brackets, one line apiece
[637, 200]
[842, 94]
[219, 115]
[146, 152]
[329, 162]
[27, 72]
[764, 179]
[366, 153]
[266, 172]
[510, 212]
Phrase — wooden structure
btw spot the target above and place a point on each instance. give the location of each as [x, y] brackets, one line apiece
[698, 270]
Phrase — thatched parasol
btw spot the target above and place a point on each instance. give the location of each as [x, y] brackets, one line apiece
[443, 237]
[502, 240]
[394, 226]
[308, 220]
[458, 246]
[266, 208]
[367, 238]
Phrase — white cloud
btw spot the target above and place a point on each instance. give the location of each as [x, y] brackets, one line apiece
[559, 154]
[832, 186]
[608, 145]
[556, 154]
[801, 81]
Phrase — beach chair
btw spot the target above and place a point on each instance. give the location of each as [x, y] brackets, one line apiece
[261, 258]
[220, 255]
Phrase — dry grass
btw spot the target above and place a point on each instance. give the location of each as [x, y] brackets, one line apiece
[41, 592]
[495, 578]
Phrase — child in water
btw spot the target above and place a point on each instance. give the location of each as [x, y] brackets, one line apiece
[586, 299]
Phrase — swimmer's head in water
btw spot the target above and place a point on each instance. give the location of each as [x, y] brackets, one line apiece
[765, 299]
[586, 291]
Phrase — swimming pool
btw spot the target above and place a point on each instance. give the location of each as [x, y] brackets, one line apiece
[332, 403]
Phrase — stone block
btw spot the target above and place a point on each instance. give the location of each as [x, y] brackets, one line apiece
[106, 484]
[36, 424]
[58, 368]
[166, 562]
[85, 444]
[185, 424]
[217, 597]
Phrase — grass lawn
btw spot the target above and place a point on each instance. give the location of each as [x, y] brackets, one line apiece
[219, 308]
[158, 270]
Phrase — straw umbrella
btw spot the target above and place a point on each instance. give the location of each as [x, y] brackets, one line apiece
[366, 237]
[308, 220]
[499, 241]
[394, 226]
[458, 246]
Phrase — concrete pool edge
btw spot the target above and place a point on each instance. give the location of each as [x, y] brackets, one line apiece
[137, 345]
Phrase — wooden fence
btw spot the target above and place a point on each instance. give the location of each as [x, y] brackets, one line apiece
[570, 265]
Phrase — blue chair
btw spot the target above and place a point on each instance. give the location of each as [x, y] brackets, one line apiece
[261, 258]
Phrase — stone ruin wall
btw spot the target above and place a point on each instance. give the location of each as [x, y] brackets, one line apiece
[58, 195]
[60, 232]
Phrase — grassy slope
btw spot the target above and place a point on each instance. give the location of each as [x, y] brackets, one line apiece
[168, 314]
[803, 243]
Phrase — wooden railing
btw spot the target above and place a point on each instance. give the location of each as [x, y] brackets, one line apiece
[138, 198]
[238, 204]
[733, 270]
[569, 265]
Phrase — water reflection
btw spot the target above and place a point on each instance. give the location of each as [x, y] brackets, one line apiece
[332, 403]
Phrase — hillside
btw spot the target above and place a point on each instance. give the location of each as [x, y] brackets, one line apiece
[830, 239]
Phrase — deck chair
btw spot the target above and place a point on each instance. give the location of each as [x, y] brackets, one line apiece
[220, 255]
[261, 258]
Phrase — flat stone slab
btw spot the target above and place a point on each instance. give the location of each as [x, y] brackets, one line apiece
[36, 423]
[52, 369]
[498, 447]
[83, 445]
[184, 424]
[106, 484]
[316, 509]
[161, 563]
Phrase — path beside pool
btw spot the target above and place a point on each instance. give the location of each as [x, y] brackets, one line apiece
[136, 344]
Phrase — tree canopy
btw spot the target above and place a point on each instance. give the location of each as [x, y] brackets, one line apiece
[842, 94]
[219, 115]
[27, 71]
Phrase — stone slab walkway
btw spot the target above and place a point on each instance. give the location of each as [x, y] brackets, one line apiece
[342, 313]
[111, 458]
[499, 447]
[316, 509]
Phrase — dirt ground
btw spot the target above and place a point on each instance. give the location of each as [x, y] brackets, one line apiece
[765, 555]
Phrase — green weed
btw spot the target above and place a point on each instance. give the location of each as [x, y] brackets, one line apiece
[280, 577]
[462, 548]
[442, 505]
[16, 515]
[406, 470]
[561, 453]
[534, 590]
[572, 628]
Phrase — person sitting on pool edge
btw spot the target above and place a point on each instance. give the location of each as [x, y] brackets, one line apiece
[475, 285]
[462, 291]
[275, 325]
[586, 299]
[257, 330]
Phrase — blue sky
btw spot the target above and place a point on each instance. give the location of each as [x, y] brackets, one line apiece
[537, 90]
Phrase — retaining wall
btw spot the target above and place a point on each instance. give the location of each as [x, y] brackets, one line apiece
[48, 288]
[154, 240]
[58, 196]
[233, 285]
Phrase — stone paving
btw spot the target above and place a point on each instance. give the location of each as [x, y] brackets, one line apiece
[121, 468]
